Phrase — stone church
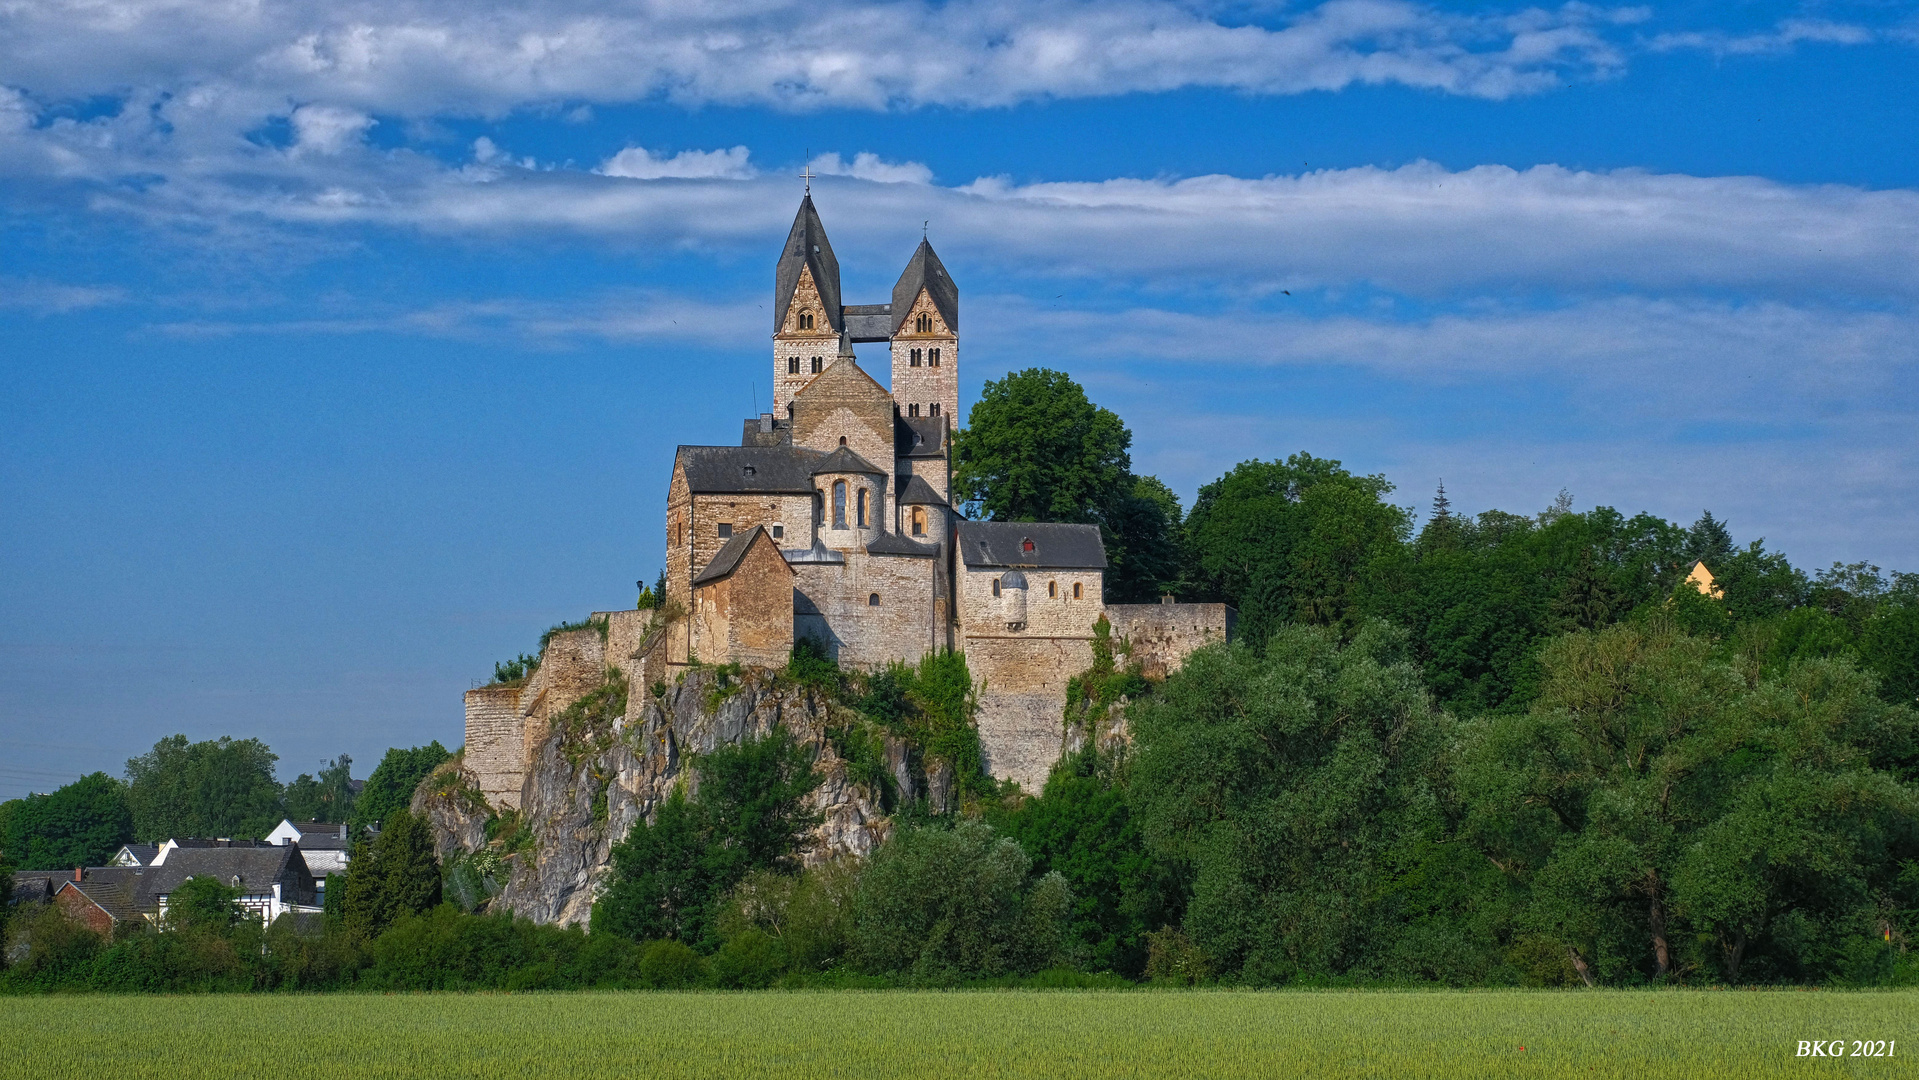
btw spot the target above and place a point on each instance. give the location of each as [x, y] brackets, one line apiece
[833, 518]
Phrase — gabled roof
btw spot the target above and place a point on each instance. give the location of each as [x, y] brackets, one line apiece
[748, 469]
[807, 248]
[728, 558]
[118, 896]
[925, 271]
[136, 854]
[919, 436]
[915, 491]
[1056, 547]
[868, 322]
[256, 867]
[844, 460]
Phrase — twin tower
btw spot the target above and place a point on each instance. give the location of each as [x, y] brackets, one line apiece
[812, 328]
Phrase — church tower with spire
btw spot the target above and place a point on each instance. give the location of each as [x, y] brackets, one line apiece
[925, 337]
[807, 315]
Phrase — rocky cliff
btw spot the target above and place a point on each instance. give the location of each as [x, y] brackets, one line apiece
[608, 761]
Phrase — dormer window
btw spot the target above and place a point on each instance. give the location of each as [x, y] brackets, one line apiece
[1026, 546]
[747, 470]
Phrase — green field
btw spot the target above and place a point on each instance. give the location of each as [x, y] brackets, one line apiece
[812, 1036]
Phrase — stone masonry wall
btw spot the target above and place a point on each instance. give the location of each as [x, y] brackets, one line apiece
[1022, 700]
[925, 385]
[1163, 634]
[902, 627]
[791, 341]
[495, 743]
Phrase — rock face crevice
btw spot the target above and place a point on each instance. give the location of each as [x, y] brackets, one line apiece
[587, 784]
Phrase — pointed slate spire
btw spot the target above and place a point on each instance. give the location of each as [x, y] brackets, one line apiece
[807, 247]
[846, 347]
[925, 271]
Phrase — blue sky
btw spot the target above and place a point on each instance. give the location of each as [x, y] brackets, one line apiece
[345, 345]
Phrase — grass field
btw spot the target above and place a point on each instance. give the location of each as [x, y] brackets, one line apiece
[813, 1036]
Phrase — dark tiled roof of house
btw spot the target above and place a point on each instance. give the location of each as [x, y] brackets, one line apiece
[891, 544]
[119, 897]
[256, 868]
[142, 853]
[786, 470]
[1055, 546]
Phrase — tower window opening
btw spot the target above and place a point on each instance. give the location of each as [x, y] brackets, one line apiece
[862, 508]
[923, 324]
[873, 600]
[932, 358]
[816, 365]
[913, 358]
[1052, 588]
[913, 409]
[1078, 590]
[919, 521]
[839, 504]
[806, 320]
[933, 409]
[792, 365]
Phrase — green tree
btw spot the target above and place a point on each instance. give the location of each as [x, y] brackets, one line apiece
[1659, 794]
[327, 798]
[204, 903]
[1288, 787]
[394, 875]
[390, 788]
[670, 877]
[81, 824]
[1708, 541]
[1082, 827]
[218, 788]
[1296, 540]
[938, 904]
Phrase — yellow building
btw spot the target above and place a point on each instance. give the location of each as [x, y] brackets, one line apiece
[1701, 578]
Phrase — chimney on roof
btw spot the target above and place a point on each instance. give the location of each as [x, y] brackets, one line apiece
[1167, 598]
[79, 873]
[766, 423]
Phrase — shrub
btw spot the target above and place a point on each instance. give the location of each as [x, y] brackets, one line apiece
[750, 960]
[670, 965]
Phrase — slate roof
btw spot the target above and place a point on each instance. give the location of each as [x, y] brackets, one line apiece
[256, 867]
[119, 897]
[818, 553]
[727, 559]
[925, 271]
[748, 469]
[806, 246]
[868, 322]
[915, 491]
[751, 435]
[891, 544]
[31, 885]
[1002, 543]
[844, 460]
[918, 436]
[142, 854]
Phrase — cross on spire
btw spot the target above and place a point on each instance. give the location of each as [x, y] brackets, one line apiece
[807, 174]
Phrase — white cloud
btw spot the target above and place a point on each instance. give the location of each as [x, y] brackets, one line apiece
[1782, 38]
[323, 129]
[869, 166]
[53, 298]
[639, 163]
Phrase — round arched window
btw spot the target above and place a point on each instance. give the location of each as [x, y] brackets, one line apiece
[873, 600]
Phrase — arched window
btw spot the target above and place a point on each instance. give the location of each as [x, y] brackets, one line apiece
[873, 600]
[1052, 588]
[913, 410]
[817, 365]
[933, 409]
[932, 358]
[839, 504]
[862, 508]
[913, 358]
[995, 586]
[923, 324]
[806, 320]
[919, 521]
[1077, 593]
[792, 365]
[842, 440]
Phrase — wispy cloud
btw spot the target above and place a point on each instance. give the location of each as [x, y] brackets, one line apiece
[1782, 37]
[639, 163]
[53, 298]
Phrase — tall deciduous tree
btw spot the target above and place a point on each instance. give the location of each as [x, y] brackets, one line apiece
[82, 824]
[326, 798]
[219, 788]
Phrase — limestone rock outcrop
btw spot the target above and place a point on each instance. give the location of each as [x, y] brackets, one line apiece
[588, 781]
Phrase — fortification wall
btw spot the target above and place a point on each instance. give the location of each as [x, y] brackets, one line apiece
[1162, 635]
[838, 595]
[1022, 701]
[495, 746]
